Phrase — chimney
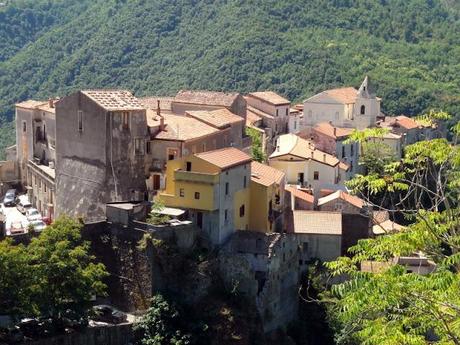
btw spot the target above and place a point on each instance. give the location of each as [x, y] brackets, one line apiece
[335, 131]
[158, 108]
[162, 119]
[324, 157]
[51, 102]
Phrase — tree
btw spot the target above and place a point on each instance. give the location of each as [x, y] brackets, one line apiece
[15, 280]
[65, 274]
[257, 151]
[162, 324]
[391, 306]
[156, 217]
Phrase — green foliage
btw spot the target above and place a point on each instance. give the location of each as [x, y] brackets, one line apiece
[53, 274]
[162, 324]
[410, 48]
[391, 306]
[257, 151]
[155, 217]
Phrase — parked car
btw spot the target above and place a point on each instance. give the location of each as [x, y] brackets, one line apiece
[10, 197]
[38, 225]
[17, 228]
[33, 214]
[108, 314]
[23, 204]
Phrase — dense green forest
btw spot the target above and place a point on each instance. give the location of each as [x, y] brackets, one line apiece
[410, 48]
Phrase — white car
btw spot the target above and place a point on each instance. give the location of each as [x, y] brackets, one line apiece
[33, 214]
[38, 225]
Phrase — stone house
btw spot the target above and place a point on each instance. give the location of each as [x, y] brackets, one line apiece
[214, 187]
[344, 107]
[273, 111]
[101, 138]
[36, 152]
[264, 268]
[341, 201]
[187, 100]
[306, 166]
[267, 198]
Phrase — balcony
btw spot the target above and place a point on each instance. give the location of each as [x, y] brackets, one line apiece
[196, 177]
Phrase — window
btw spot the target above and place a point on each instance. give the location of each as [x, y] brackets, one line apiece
[226, 188]
[226, 216]
[148, 147]
[305, 247]
[242, 211]
[338, 207]
[287, 112]
[44, 186]
[336, 115]
[24, 126]
[197, 195]
[204, 147]
[125, 116]
[300, 178]
[181, 192]
[343, 151]
[316, 175]
[277, 112]
[363, 110]
[80, 121]
[277, 199]
[244, 182]
[139, 146]
[352, 150]
[44, 132]
[295, 124]
[189, 166]
[172, 154]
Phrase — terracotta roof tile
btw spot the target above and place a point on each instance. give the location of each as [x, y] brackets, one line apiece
[331, 131]
[351, 199]
[206, 97]
[179, 128]
[225, 158]
[258, 112]
[114, 100]
[317, 222]
[270, 97]
[265, 175]
[291, 144]
[220, 118]
[152, 102]
[30, 104]
[252, 118]
[300, 194]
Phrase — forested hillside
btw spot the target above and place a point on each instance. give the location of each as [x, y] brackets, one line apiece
[411, 48]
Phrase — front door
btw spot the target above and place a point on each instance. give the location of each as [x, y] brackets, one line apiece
[199, 220]
[156, 182]
[301, 178]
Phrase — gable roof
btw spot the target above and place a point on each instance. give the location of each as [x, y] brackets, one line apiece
[270, 97]
[344, 95]
[300, 194]
[152, 103]
[317, 222]
[179, 128]
[351, 199]
[265, 175]
[258, 112]
[399, 121]
[225, 158]
[386, 227]
[331, 131]
[291, 144]
[220, 118]
[30, 104]
[114, 100]
[206, 97]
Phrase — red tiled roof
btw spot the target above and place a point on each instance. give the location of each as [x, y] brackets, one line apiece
[300, 194]
[220, 118]
[351, 199]
[405, 122]
[206, 97]
[225, 158]
[265, 175]
[152, 102]
[270, 97]
[344, 95]
[334, 132]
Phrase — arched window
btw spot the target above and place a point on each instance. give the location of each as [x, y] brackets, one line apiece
[363, 110]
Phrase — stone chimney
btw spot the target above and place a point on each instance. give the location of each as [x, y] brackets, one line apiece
[50, 102]
[162, 120]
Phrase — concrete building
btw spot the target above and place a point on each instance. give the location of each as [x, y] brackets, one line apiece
[304, 165]
[327, 235]
[265, 267]
[36, 152]
[267, 198]
[187, 100]
[101, 141]
[273, 111]
[214, 187]
[344, 107]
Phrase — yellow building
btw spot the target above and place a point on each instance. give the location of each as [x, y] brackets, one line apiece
[214, 187]
[267, 198]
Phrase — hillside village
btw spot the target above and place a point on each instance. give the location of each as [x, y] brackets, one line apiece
[120, 163]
